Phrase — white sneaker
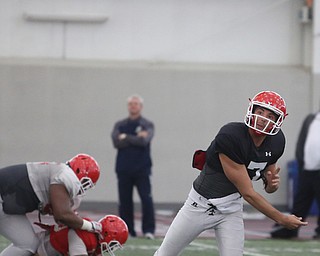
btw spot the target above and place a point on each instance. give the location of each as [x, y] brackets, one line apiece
[149, 236]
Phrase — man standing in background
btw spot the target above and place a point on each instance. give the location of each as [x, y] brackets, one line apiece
[308, 157]
[132, 137]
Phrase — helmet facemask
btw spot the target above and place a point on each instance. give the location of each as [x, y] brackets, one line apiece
[109, 248]
[86, 184]
[271, 127]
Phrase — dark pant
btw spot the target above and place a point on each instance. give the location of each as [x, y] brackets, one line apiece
[308, 190]
[16, 190]
[126, 183]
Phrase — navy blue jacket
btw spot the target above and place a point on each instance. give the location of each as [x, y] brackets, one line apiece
[133, 151]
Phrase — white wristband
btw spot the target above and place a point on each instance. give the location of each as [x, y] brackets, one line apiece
[86, 225]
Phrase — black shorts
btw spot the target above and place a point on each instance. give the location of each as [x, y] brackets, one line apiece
[16, 191]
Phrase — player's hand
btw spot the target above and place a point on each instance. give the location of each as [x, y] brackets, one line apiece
[122, 136]
[293, 222]
[273, 180]
[96, 227]
[143, 134]
[92, 226]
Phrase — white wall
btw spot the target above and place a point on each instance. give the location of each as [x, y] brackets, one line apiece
[213, 31]
[52, 110]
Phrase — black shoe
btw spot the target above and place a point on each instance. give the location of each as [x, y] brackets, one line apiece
[316, 236]
[283, 233]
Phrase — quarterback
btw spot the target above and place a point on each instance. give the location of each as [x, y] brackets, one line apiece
[51, 188]
[239, 154]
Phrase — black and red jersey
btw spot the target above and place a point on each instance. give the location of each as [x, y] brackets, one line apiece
[234, 141]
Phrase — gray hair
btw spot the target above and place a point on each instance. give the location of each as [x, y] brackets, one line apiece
[135, 96]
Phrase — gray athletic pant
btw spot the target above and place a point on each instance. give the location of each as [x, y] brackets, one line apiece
[17, 229]
[198, 215]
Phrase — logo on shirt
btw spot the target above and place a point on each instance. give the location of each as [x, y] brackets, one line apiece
[268, 153]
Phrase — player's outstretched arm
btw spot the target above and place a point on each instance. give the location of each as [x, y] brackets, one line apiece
[238, 175]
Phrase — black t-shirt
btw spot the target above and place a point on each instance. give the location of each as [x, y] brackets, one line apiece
[234, 141]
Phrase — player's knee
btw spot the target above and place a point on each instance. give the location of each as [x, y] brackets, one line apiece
[14, 250]
[25, 252]
[29, 245]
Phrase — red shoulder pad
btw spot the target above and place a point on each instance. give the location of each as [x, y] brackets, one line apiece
[199, 159]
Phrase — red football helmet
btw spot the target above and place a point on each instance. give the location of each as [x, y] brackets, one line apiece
[87, 170]
[271, 101]
[115, 233]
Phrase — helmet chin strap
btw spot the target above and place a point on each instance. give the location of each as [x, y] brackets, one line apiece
[254, 126]
[258, 133]
[269, 127]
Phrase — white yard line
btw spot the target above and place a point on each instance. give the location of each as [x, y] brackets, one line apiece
[206, 246]
[198, 246]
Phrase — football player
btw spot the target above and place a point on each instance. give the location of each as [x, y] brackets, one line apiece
[51, 188]
[61, 240]
[239, 154]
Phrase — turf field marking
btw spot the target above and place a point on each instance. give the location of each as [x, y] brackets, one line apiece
[251, 250]
[292, 250]
[206, 246]
[142, 247]
[254, 254]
